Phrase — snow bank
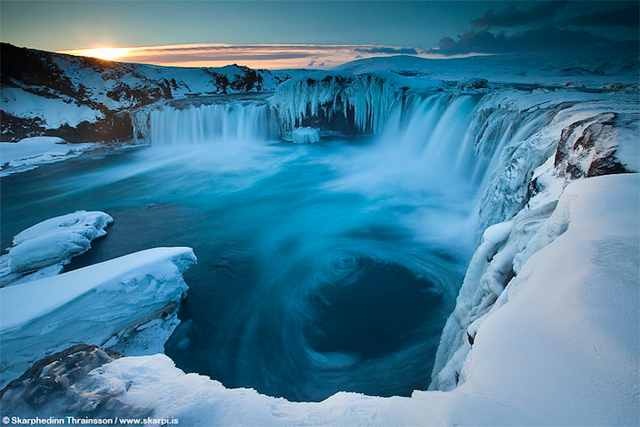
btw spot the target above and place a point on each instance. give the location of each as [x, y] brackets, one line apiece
[89, 305]
[30, 152]
[559, 348]
[42, 250]
[305, 135]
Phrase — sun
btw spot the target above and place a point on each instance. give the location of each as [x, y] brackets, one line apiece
[108, 53]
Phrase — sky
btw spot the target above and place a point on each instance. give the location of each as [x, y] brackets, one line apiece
[311, 34]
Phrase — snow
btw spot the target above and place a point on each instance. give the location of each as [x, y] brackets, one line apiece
[593, 67]
[30, 152]
[561, 347]
[120, 295]
[569, 323]
[54, 112]
[305, 135]
[42, 250]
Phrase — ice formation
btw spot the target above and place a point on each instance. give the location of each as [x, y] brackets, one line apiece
[42, 250]
[305, 135]
[364, 101]
[121, 296]
[521, 195]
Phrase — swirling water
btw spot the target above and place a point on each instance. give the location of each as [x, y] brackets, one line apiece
[321, 268]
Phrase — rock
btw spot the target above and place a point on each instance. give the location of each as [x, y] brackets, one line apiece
[59, 384]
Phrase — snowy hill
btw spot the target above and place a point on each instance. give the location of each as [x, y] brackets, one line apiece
[595, 67]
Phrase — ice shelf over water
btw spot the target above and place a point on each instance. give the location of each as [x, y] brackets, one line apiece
[28, 153]
[102, 304]
[42, 250]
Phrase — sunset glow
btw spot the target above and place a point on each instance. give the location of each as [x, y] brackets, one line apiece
[108, 53]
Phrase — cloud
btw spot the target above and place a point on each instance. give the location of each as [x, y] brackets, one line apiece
[389, 50]
[627, 17]
[514, 17]
[238, 57]
[255, 56]
[542, 39]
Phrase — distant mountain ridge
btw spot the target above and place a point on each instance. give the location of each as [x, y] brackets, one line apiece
[614, 59]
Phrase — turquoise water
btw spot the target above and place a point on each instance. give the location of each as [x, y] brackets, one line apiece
[320, 268]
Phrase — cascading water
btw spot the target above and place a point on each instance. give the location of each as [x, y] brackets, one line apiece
[320, 268]
[206, 123]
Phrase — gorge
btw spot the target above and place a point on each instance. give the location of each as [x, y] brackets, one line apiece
[413, 247]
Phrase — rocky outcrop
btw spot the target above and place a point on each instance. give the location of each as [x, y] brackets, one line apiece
[587, 148]
[60, 384]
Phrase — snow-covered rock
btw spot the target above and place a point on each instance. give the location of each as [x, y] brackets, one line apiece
[30, 152]
[305, 135]
[578, 140]
[42, 250]
[104, 304]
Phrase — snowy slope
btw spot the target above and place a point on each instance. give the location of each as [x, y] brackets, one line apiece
[593, 67]
[567, 328]
[48, 315]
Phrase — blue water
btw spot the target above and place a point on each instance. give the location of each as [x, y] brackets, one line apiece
[320, 268]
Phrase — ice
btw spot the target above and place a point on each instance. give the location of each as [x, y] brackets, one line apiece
[30, 152]
[524, 189]
[104, 303]
[366, 100]
[305, 135]
[41, 250]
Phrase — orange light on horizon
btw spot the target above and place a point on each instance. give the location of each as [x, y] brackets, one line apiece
[107, 53]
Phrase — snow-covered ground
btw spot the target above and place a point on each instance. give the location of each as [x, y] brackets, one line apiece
[28, 153]
[109, 303]
[593, 67]
[44, 249]
[559, 348]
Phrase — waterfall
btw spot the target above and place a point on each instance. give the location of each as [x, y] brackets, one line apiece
[454, 138]
[205, 123]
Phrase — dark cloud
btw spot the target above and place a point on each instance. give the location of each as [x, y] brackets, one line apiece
[627, 17]
[514, 17]
[543, 39]
[389, 50]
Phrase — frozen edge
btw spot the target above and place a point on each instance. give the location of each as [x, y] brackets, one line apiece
[89, 305]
